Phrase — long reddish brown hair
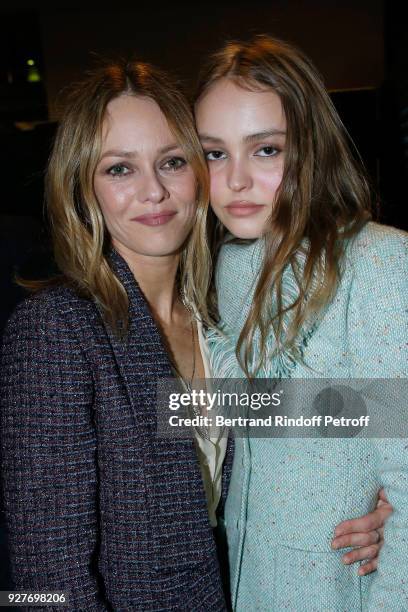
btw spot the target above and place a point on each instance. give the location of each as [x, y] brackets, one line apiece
[324, 196]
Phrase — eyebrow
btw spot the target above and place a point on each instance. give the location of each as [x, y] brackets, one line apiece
[248, 139]
[131, 154]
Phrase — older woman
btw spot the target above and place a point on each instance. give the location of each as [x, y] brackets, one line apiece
[96, 505]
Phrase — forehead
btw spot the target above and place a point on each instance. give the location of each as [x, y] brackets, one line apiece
[135, 120]
[229, 108]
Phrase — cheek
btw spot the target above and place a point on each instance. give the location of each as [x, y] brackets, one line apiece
[269, 181]
[217, 187]
[113, 198]
[188, 195]
[184, 192]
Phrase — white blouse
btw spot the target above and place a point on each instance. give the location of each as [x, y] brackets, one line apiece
[211, 452]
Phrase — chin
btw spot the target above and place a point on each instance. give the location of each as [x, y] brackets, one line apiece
[246, 231]
[162, 251]
[161, 248]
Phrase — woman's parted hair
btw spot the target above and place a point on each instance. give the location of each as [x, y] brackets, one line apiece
[324, 196]
[80, 238]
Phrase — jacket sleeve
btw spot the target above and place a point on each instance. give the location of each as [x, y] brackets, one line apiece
[49, 469]
[379, 332]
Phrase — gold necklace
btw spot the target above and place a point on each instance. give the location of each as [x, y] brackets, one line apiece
[196, 412]
[187, 384]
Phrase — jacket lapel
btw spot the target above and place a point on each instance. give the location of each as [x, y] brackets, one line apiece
[174, 482]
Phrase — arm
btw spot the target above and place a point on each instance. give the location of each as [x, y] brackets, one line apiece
[378, 337]
[49, 457]
[389, 588]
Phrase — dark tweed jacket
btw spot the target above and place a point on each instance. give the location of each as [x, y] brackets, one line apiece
[95, 503]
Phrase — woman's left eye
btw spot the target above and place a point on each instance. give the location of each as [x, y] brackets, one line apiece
[268, 151]
[174, 163]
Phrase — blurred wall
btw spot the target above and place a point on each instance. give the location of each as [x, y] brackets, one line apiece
[344, 39]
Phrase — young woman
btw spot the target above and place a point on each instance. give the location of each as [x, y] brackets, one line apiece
[97, 506]
[311, 289]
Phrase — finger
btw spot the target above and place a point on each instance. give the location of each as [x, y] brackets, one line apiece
[383, 510]
[368, 567]
[356, 539]
[369, 522]
[359, 554]
[382, 497]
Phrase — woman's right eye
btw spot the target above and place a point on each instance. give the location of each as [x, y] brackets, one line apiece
[214, 155]
[118, 170]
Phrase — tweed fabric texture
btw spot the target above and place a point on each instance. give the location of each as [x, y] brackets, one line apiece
[287, 495]
[95, 503]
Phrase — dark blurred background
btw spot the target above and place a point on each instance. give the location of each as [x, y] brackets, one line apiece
[359, 46]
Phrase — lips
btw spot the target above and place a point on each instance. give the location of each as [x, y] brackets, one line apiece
[153, 219]
[243, 208]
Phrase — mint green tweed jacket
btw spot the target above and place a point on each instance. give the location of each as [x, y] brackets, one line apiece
[287, 495]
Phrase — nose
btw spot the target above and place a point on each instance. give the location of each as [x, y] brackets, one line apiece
[239, 177]
[151, 189]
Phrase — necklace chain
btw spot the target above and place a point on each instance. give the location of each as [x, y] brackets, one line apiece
[189, 384]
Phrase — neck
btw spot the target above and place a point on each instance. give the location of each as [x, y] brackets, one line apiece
[156, 277]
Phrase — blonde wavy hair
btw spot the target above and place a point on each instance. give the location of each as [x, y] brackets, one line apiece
[80, 239]
[324, 197]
